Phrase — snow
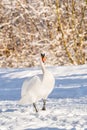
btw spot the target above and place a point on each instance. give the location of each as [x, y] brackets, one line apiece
[66, 105]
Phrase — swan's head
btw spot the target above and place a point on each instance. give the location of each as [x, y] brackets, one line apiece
[43, 57]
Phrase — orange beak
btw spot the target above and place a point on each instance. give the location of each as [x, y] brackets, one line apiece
[44, 59]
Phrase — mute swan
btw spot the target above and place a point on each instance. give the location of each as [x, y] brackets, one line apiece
[38, 87]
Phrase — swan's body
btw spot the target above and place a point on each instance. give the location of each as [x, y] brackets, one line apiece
[38, 87]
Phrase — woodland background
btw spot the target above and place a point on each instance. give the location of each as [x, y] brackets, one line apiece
[28, 27]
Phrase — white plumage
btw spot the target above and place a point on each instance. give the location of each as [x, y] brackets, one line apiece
[38, 87]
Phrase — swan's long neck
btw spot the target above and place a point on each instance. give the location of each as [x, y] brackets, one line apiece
[42, 66]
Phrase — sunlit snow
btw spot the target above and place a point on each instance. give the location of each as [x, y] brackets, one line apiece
[66, 105]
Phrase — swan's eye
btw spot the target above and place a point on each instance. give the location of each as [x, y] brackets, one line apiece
[42, 55]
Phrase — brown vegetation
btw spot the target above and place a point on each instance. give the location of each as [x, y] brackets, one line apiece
[28, 27]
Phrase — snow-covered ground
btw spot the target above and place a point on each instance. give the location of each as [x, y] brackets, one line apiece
[66, 105]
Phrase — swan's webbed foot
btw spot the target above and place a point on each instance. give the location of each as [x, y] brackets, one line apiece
[35, 107]
[44, 105]
[44, 108]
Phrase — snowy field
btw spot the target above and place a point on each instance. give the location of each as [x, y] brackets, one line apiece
[66, 105]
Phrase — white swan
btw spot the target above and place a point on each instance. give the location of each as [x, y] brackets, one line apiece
[38, 87]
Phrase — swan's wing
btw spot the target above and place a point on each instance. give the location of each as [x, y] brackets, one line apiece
[30, 84]
[40, 77]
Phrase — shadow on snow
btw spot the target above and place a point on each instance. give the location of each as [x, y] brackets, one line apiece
[70, 86]
[45, 128]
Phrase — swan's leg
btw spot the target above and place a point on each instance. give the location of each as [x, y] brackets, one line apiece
[35, 107]
[44, 104]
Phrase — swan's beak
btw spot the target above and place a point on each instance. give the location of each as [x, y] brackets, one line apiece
[43, 59]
